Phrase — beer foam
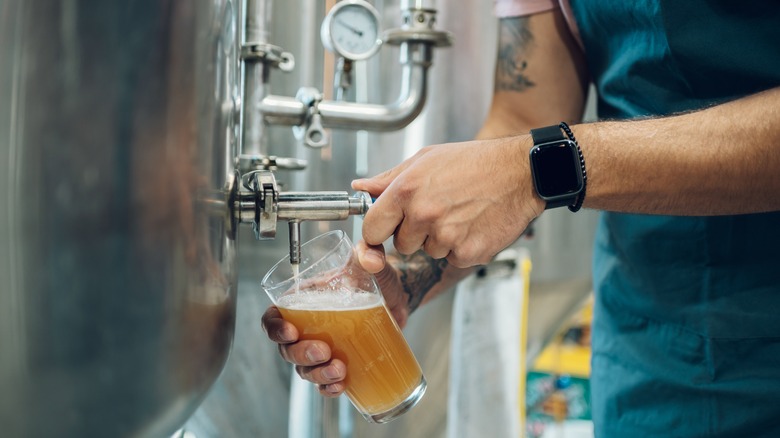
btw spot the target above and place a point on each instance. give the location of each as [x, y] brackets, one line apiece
[325, 299]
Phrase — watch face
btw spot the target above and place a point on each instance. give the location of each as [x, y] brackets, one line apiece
[556, 169]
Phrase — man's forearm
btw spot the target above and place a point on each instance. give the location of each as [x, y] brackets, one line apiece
[721, 160]
[424, 277]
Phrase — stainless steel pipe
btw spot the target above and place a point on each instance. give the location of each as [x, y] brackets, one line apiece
[416, 58]
[254, 78]
[321, 206]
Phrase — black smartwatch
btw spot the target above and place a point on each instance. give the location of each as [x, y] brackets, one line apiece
[557, 168]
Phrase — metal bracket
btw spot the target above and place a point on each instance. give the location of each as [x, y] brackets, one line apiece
[248, 163]
[342, 80]
[262, 185]
[418, 27]
[436, 38]
[268, 54]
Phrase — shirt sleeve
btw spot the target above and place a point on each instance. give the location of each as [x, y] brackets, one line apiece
[519, 8]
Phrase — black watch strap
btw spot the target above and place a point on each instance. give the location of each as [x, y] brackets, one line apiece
[547, 134]
[559, 203]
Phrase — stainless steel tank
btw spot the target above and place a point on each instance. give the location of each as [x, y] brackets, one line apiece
[117, 273]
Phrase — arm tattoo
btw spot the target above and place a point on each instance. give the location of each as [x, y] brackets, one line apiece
[514, 45]
[419, 274]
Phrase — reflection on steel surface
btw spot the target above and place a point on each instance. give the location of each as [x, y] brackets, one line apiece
[117, 286]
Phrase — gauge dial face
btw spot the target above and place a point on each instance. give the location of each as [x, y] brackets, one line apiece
[352, 30]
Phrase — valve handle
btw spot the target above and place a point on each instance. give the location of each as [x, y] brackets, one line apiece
[316, 136]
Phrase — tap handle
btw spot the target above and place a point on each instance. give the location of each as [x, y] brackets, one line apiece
[312, 132]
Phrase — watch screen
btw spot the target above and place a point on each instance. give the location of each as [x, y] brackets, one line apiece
[556, 168]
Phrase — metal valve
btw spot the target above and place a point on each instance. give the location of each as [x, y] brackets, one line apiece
[311, 132]
[261, 203]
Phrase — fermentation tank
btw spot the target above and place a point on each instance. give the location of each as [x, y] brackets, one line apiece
[117, 270]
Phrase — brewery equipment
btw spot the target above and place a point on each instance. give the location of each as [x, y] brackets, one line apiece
[246, 402]
[137, 137]
[133, 141]
[117, 274]
[310, 114]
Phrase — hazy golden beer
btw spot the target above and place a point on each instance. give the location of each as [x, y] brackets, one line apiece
[381, 369]
[329, 297]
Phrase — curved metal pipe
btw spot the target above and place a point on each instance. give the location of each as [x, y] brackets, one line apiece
[416, 57]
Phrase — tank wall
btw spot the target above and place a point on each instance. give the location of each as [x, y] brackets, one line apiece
[117, 283]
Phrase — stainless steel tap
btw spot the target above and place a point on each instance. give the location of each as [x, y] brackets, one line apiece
[260, 203]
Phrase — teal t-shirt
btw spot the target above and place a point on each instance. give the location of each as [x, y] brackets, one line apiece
[686, 335]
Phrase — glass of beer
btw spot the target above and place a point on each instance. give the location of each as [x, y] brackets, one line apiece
[329, 297]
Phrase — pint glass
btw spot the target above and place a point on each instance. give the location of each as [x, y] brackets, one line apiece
[329, 297]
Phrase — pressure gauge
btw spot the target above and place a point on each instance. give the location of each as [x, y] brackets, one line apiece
[351, 30]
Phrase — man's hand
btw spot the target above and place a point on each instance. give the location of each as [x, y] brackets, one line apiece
[312, 359]
[462, 201]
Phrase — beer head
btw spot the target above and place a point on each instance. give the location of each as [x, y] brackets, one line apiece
[329, 300]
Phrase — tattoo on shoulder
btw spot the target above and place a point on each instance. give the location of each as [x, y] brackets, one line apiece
[514, 44]
[419, 274]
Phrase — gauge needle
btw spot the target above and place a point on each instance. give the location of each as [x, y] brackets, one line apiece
[356, 31]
